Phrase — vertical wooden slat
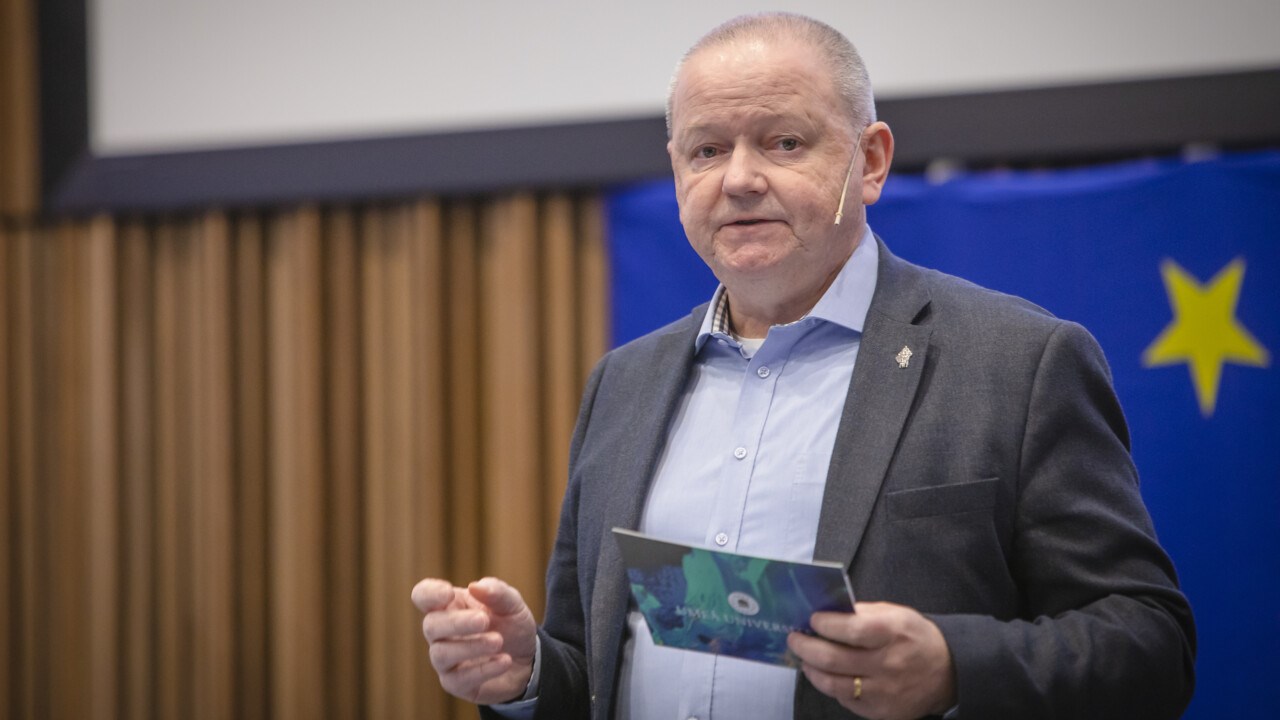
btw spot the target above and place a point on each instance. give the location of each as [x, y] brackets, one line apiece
[213, 532]
[44, 477]
[593, 283]
[175, 501]
[465, 496]
[399, 481]
[36, 482]
[186, 441]
[374, 341]
[8, 509]
[19, 141]
[427, 508]
[509, 385]
[137, 346]
[344, 579]
[462, 305]
[169, 679]
[561, 381]
[8, 492]
[102, 469]
[296, 480]
[24, 463]
[65, 511]
[249, 300]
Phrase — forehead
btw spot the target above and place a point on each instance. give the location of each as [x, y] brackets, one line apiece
[751, 80]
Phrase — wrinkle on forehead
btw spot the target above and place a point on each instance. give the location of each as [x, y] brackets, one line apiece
[757, 112]
[751, 85]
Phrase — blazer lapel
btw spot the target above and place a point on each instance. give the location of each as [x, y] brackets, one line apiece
[880, 395]
[655, 393]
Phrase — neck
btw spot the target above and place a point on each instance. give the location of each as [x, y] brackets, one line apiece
[753, 310]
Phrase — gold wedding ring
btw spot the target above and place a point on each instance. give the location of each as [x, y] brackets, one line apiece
[857, 687]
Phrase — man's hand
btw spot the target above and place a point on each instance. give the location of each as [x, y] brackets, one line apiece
[883, 661]
[482, 638]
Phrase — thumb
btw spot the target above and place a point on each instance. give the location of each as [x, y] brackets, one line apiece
[498, 596]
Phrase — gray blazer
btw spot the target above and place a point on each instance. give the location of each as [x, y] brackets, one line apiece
[987, 484]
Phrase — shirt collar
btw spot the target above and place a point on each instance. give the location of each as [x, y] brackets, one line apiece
[845, 302]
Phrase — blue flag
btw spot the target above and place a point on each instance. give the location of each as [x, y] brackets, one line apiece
[1175, 267]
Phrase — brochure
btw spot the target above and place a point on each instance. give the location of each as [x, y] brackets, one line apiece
[725, 603]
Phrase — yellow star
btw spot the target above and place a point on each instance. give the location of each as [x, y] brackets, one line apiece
[1204, 332]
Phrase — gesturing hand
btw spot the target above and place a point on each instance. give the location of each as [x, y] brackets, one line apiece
[882, 661]
[482, 638]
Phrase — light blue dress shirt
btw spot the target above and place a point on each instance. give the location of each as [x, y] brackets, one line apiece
[744, 469]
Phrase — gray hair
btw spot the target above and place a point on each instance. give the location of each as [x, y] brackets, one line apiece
[847, 70]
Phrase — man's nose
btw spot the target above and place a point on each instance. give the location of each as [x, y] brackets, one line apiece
[744, 174]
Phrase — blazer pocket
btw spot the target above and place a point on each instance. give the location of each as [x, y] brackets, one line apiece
[943, 499]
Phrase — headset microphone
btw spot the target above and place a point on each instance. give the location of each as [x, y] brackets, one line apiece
[857, 149]
[845, 190]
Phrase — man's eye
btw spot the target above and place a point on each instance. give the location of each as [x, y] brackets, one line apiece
[705, 152]
[788, 144]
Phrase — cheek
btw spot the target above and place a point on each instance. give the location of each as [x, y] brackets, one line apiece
[696, 232]
[696, 200]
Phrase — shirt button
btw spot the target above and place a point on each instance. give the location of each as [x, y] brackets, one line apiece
[740, 453]
[763, 371]
[722, 539]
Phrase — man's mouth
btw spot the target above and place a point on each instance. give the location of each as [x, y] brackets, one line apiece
[748, 222]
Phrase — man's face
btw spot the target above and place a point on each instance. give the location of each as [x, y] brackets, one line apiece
[760, 144]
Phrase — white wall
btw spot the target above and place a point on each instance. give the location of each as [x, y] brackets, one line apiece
[186, 74]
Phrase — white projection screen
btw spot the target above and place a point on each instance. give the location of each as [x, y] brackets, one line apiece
[170, 75]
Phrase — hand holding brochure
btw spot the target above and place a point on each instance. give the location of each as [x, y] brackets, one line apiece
[728, 604]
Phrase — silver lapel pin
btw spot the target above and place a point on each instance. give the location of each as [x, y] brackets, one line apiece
[903, 357]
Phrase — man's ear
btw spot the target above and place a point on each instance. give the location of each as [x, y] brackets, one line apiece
[878, 140]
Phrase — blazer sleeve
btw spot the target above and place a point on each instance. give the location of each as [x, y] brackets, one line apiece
[1105, 632]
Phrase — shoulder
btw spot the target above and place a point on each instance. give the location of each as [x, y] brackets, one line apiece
[960, 302]
[955, 306]
[985, 324]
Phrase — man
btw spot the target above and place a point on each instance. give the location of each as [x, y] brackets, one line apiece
[961, 451]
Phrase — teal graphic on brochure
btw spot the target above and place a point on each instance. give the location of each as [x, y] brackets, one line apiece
[725, 603]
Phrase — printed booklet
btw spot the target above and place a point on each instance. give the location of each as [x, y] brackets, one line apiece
[728, 604]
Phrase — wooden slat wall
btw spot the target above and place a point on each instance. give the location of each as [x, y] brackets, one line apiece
[231, 442]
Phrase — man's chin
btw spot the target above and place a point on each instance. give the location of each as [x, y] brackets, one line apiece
[758, 277]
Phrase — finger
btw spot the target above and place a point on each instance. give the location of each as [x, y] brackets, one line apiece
[852, 693]
[450, 624]
[449, 654]
[432, 594]
[466, 679]
[498, 596]
[871, 625]
[828, 656]
[845, 628]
